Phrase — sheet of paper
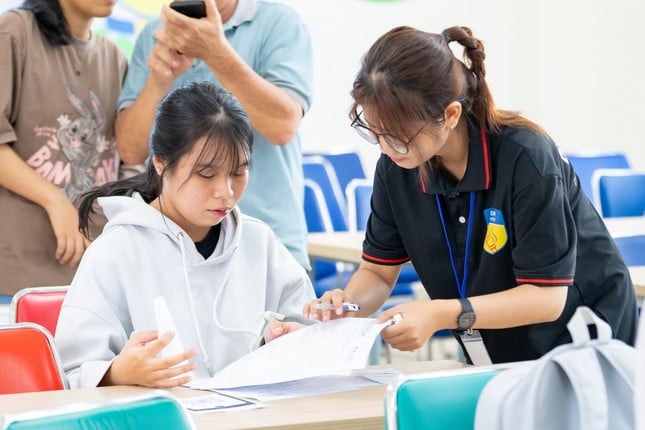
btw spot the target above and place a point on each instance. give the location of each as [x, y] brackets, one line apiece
[331, 348]
[302, 387]
[218, 402]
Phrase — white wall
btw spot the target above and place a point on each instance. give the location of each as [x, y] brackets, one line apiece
[574, 67]
[571, 66]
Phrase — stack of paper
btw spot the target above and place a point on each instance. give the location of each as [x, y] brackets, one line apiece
[331, 348]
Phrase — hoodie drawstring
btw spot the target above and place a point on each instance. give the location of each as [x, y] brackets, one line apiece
[216, 320]
[207, 362]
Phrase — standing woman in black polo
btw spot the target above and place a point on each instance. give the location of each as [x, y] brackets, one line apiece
[482, 203]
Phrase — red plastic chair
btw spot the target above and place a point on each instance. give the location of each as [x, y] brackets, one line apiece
[40, 305]
[29, 360]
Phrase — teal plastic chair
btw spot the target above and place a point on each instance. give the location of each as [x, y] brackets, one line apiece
[156, 410]
[438, 400]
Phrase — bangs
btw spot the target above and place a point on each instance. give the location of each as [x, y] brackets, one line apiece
[392, 109]
[222, 152]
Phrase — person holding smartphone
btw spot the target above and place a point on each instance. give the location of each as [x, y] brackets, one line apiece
[484, 205]
[261, 52]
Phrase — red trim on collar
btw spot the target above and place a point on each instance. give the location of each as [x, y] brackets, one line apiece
[423, 183]
[383, 260]
[544, 281]
[486, 161]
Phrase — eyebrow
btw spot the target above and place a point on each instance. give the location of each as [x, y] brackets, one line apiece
[204, 166]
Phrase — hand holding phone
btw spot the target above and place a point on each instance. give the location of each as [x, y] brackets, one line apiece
[190, 8]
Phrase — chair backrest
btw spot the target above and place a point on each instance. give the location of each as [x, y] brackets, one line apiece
[321, 171]
[347, 166]
[438, 400]
[316, 212]
[359, 197]
[619, 192]
[586, 164]
[29, 360]
[40, 305]
[317, 217]
[152, 410]
[633, 249]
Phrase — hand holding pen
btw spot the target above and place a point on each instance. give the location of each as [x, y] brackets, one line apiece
[330, 306]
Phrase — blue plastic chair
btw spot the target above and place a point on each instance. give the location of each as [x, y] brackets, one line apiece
[359, 197]
[633, 249]
[438, 400]
[325, 273]
[585, 165]
[619, 192]
[347, 166]
[322, 172]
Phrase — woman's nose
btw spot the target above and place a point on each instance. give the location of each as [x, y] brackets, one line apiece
[223, 187]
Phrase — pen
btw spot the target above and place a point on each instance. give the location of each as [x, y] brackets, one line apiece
[275, 316]
[347, 307]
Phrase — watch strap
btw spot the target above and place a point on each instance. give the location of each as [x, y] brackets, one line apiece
[466, 318]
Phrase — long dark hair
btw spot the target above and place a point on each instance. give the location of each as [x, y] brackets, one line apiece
[192, 113]
[51, 21]
[410, 76]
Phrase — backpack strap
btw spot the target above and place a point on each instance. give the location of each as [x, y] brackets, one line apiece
[578, 323]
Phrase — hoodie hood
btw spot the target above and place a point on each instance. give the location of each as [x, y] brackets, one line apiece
[134, 211]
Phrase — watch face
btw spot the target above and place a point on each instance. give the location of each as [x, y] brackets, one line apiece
[466, 320]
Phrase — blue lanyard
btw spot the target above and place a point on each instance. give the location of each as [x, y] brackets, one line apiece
[461, 283]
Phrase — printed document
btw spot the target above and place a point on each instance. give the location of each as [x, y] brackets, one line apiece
[334, 347]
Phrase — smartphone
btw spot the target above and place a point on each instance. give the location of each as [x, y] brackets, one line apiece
[193, 9]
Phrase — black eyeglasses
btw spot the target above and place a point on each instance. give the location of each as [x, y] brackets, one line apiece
[372, 137]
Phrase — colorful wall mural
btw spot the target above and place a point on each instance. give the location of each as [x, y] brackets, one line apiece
[128, 17]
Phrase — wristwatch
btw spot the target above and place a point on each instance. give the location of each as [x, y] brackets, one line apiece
[466, 318]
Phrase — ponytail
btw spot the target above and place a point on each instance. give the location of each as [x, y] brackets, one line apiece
[478, 102]
[148, 184]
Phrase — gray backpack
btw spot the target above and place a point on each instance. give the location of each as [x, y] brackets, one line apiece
[587, 384]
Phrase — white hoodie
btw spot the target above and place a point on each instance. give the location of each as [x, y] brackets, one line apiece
[217, 303]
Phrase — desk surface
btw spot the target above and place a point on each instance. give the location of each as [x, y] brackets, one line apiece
[338, 246]
[625, 226]
[348, 246]
[362, 409]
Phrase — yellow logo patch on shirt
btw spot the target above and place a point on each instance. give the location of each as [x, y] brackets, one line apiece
[496, 236]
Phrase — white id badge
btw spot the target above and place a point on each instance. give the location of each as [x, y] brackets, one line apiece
[475, 347]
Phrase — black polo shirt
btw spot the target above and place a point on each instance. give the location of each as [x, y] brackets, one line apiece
[532, 224]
